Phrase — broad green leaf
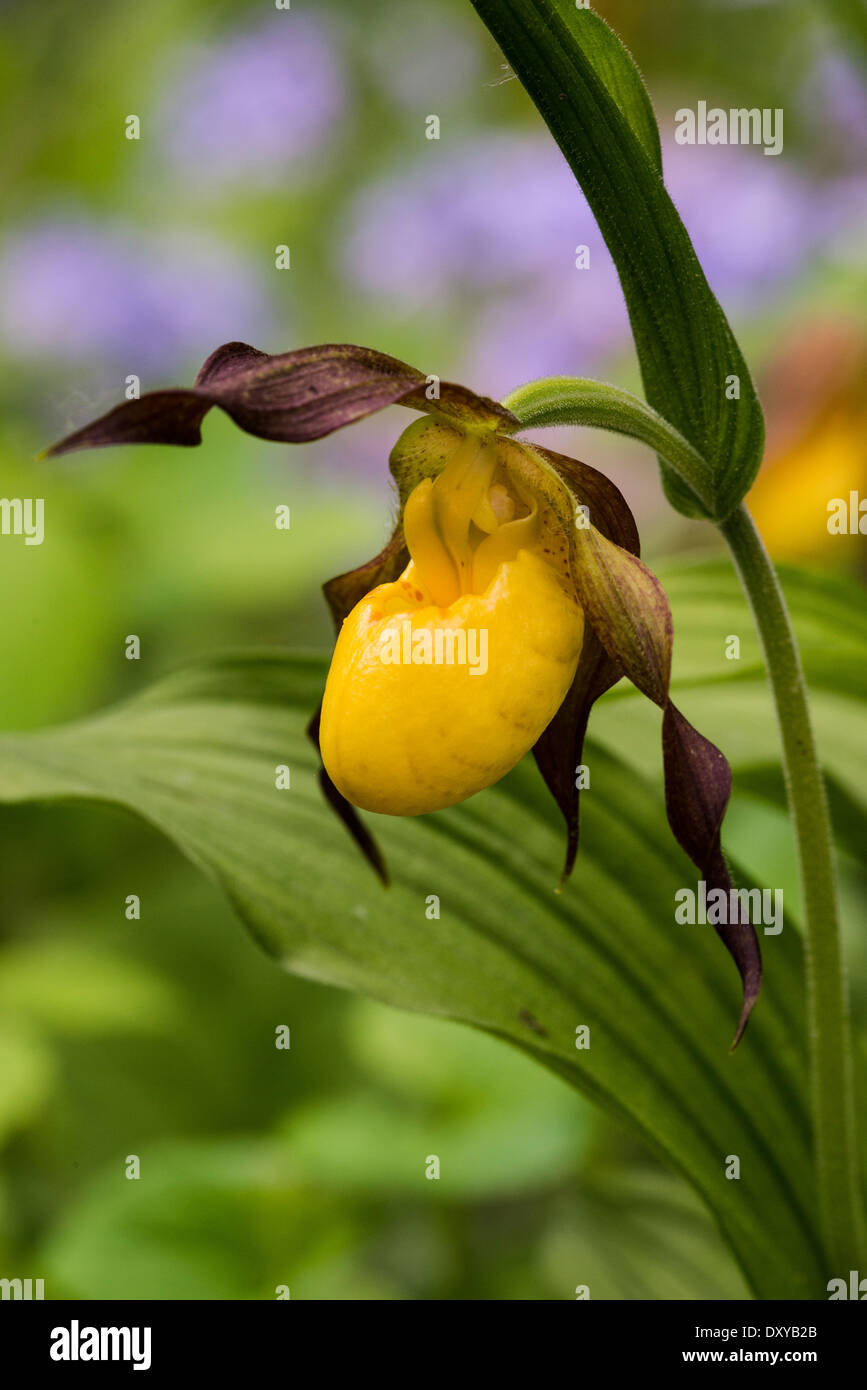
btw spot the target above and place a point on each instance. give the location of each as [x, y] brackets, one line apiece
[587, 89]
[709, 607]
[196, 756]
[619, 74]
[742, 722]
[848, 813]
[638, 1235]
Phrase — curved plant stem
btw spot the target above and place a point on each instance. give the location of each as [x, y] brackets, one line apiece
[831, 1079]
[568, 400]
[576, 401]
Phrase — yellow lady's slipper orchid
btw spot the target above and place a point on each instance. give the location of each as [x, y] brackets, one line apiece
[509, 598]
[442, 680]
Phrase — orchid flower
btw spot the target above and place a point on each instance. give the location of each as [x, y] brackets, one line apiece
[495, 537]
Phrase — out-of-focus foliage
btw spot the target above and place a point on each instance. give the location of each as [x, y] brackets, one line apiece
[494, 947]
[156, 1037]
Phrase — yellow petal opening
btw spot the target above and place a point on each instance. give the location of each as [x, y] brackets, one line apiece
[441, 681]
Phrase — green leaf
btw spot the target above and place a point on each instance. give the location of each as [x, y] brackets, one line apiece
[709, 606]
[638, 1235]
[196, 756]
[848, 811]
[590, 94]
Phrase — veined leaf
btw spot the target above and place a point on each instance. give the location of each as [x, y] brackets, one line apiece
[709, 607]
[590, 94]
[196, 756]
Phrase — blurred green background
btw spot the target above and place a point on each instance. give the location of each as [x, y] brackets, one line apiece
[306, 127]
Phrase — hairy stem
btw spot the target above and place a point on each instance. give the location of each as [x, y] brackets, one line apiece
[831, 1077]
[567, 400]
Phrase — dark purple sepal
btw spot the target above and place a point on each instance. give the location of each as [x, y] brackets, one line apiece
[558, 752]
[698, 783]
[346, 590]
[628, 609]
[346, 812]
[629, 631]
[290, 397]
[342, 594]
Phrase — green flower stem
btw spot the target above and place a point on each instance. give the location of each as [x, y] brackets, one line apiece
[831, 1078]
[575, 401]
[566, 400]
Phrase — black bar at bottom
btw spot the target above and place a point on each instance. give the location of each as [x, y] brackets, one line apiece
[83, 1339]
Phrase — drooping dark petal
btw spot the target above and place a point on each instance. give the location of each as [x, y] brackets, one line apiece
[558, 751]
[292, 397]
[608, 509]
[346, 811]
[158, 417]
[698, 783]
[346, 590]
[628, 609]
[342, 594]
[630, 633]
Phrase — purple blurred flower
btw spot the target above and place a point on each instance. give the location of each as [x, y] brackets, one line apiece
[565, 326]
[845, 202]
[753, 221]
[249, 106]
[836, 88]
[71, 289]
[503, 215]
[503, 218]
[363, 456]
[509, 208]
[505, 207]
